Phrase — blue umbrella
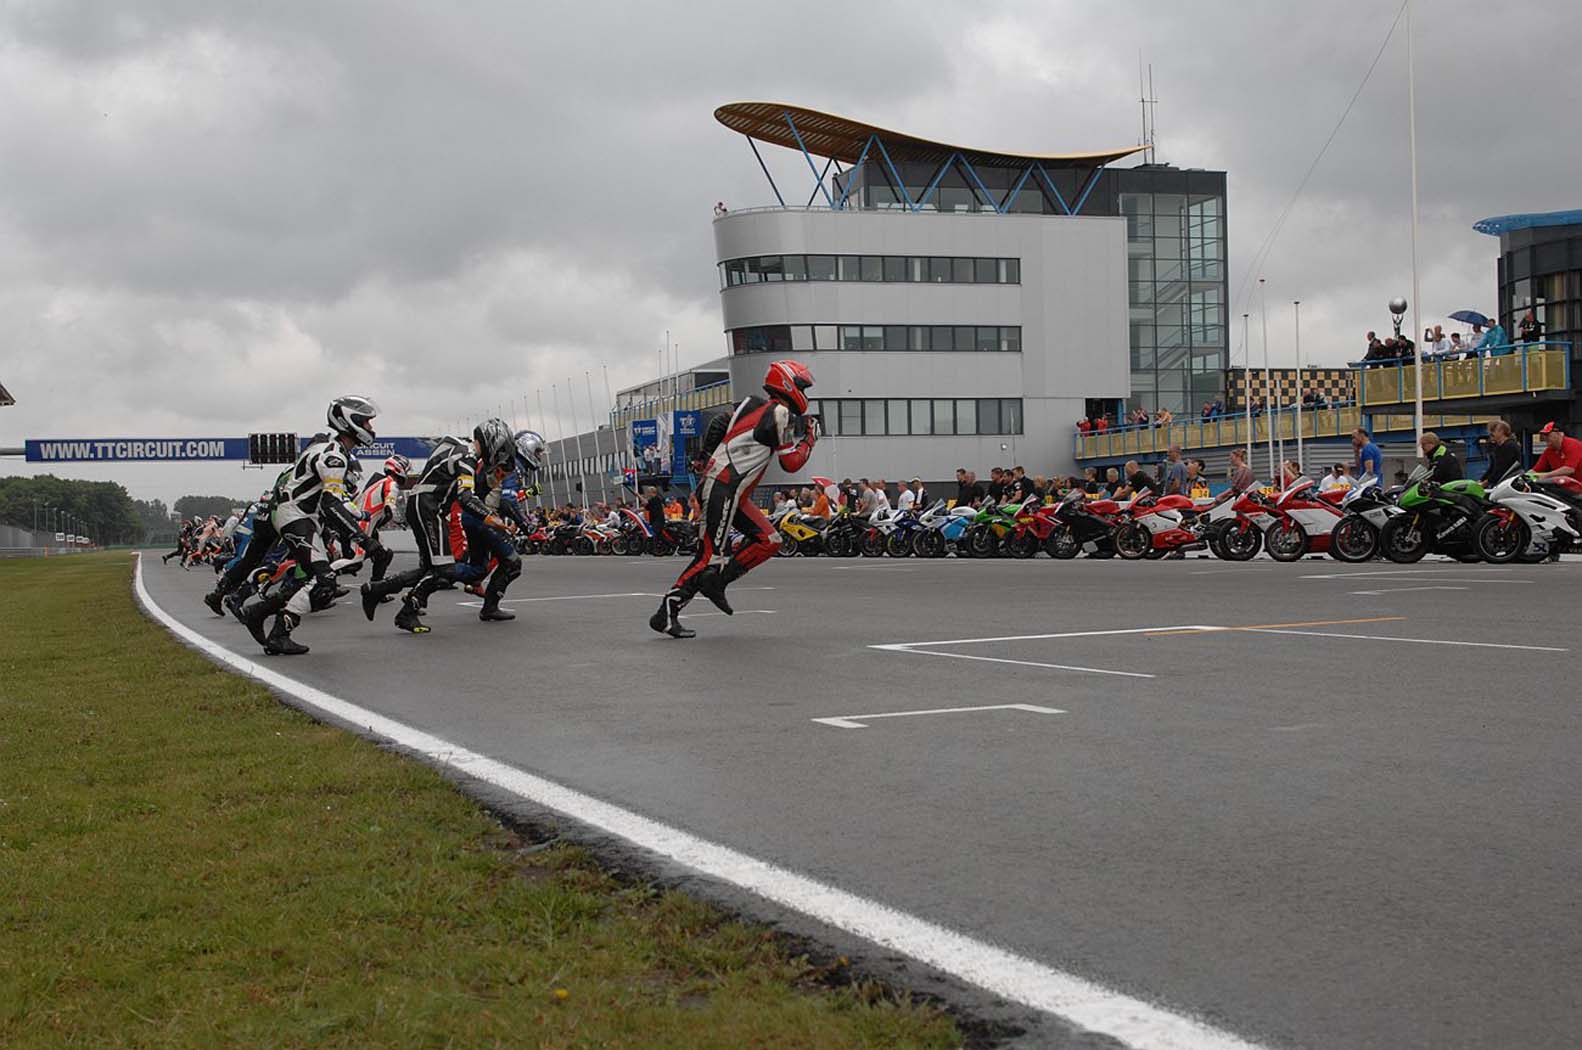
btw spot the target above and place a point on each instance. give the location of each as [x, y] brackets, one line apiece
[1469, 317]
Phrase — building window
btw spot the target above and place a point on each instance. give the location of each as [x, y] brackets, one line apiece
[776, 339]
[890, 269]
[921, 417]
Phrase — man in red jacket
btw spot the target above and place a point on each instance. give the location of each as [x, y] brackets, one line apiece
[759, 431]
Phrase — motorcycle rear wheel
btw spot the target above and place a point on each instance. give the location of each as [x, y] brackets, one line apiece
[1355, 539]
[872, 545]
[583, 546]
[1286, 541]
[618, 545]
[661, 547]
[1132, 541]
[1500, 541]
[929, 543]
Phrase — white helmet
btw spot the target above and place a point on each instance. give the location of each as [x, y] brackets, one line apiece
[531, 452]
[352, 415]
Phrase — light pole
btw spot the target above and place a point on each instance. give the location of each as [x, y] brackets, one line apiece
[1417, 292]
[1268, 384]
[1398, 312]
[1297, 305]
[1246, 377]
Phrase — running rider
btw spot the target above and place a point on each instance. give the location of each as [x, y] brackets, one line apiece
[758, 432]
[379, 506]
[449, 477]
[313, 491]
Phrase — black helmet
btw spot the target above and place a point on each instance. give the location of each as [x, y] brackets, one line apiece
[495, 444]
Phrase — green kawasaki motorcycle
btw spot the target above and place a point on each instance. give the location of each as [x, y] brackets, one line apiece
[1437, 519]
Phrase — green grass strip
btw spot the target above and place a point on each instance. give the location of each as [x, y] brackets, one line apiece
[186, 862]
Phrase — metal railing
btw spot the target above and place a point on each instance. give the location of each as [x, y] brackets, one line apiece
[1227, 430]
[1492, 372]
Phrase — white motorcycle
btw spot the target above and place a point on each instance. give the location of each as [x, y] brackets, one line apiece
[1525, 524]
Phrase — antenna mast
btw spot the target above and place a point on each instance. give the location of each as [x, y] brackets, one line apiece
[1153, 117]
[1149, 105]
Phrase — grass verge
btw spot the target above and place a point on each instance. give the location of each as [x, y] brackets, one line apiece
[186, 862]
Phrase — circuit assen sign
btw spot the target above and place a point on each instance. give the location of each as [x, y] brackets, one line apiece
[187, 450]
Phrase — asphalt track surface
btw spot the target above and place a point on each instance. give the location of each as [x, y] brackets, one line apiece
[1272, 797]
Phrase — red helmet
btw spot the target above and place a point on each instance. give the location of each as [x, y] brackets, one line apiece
[789, 381]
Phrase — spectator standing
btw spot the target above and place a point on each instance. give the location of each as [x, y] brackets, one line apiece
[968, 492]
[656, 511]
[1335, 480]
[1175, 479]
[1496, 341]
[1442, 462]
[1437, 343]
[1090, 481]
[906, 499]
[1458, 347]
[1112, 482]
[881, 499]
[1369, 459]
[1530, 330]
[997, 482]
[1504, 452]
[1562, 456]
[1103, 423]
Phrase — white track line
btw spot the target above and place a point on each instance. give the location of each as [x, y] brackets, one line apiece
[1138, 1024]
[1019, 663]
[1396, 638]
[856, 721]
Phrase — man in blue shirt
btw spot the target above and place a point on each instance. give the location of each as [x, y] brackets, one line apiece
[1369, 459]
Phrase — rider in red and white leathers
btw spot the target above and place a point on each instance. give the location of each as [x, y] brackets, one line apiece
[759, 432]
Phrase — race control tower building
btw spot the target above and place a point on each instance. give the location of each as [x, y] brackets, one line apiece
[964, 307]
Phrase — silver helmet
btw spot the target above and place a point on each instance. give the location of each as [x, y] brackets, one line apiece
[495, 445]
[352, 415]
[531, 451]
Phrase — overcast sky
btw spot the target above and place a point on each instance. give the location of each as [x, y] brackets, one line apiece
[214, 216]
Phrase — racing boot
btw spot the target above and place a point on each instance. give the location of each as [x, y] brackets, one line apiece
[408, 619]
[711, 583]
[255, 612]
[233, 602]
[667, 619]
[491, 610]
[213, 600]
[372, 595]
[279, 642]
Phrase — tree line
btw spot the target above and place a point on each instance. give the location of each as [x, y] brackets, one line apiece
[108, 513]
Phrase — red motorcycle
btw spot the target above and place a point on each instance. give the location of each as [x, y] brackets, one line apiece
[1034, 526]
[1157, 526]
[1303, 520]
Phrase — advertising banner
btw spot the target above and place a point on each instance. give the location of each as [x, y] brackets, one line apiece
[687, 428]
[133, 450]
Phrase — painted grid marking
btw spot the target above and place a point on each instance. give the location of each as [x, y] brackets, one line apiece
[856, 721]
[1136, 1023]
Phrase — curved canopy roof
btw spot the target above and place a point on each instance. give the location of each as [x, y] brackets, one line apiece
[1511, 223]
[843, 139]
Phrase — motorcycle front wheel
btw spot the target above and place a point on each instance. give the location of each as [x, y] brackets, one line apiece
[1286, 541]
[1062, 544]
[1240, 541]
[898, 545]
[1403, 540]
[788, 546]
[1024, 546]
[1354, 539]
[872, 545]
[929, 543]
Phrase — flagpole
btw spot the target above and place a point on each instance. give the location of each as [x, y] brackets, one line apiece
[544, 428]
[593, 420]
[1297, 303]
[1268, 385]
[1417, 292]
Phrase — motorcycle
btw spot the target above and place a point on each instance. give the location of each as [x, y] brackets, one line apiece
[1156, 526]
[1436, 518]
[799, 533]
[899, 543]
[1525, 523]
[940, 529]
[529, 543]
[843, 535]
[1364, 510]
[1033, 528]
[1082, 525]
[987, 532]
[634, 537]
[1303, 522]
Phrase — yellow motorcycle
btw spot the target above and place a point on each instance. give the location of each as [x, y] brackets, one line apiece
[797, 534]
